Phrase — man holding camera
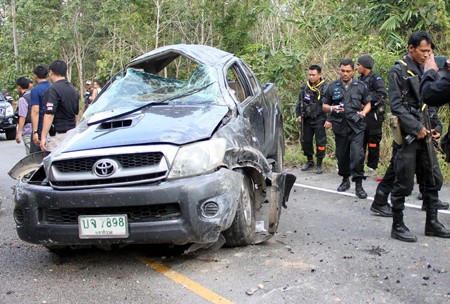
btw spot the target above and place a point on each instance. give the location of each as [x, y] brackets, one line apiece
[348, 102]
[414, 153]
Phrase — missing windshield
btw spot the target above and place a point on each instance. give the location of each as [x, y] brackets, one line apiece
[138, 88]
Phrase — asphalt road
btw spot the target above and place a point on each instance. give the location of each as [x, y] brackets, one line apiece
[329, 249]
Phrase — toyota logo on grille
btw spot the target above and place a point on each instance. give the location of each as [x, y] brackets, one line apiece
[104, 167]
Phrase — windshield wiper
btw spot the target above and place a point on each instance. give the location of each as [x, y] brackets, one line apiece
[162, 102]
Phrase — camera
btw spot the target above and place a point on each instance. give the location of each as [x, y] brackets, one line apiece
[441, 62]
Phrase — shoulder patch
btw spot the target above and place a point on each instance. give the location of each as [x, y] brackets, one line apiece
[378, 78]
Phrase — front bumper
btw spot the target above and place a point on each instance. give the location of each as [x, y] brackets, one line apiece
[7, 123]
[170, 212]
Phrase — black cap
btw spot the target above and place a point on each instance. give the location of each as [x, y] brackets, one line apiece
[366, 61]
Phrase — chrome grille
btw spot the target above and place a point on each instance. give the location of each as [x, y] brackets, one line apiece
[131, 165]
[126, 161]
[150, 213]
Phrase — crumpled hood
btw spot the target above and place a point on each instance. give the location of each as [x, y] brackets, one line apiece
[168, 124]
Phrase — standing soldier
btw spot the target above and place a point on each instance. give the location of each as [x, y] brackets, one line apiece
[375, 118]
[413, 155]
[312, 118]
[348, 101]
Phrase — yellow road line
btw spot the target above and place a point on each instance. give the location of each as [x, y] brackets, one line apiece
[200, 290]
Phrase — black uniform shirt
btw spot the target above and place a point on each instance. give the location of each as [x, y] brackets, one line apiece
[406, 108]
[377, 89]
[353, 98]
[435, 91]
[309, 104]
[62, 100]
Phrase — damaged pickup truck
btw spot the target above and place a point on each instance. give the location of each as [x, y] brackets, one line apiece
[183, 147]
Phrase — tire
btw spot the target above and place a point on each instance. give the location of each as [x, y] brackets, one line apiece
[242, 230]
[10, 133]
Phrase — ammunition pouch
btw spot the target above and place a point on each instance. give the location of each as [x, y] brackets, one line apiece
[394, 123]
[310, 110]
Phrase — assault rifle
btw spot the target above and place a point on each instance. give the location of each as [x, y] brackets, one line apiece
[436, 145]
[425, 120]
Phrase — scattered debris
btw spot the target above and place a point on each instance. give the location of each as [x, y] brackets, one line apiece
[375, 250]
[252, 290]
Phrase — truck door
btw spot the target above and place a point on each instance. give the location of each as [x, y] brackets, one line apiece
[251, 104]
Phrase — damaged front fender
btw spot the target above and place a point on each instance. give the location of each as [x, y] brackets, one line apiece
[271, 189]
[28, 164]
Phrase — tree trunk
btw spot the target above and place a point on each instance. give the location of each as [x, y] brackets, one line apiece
[14, 32]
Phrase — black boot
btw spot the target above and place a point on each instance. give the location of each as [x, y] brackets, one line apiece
[309, 164]
[380, 204]
[399, 230]
[319, 166]
[345, 185]
[432, 226]
[359, 190]
[440, 205]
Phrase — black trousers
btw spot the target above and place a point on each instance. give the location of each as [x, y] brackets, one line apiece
[350, 155]
[387, 183]
[313, 130]
[412, 159]
[372, 139]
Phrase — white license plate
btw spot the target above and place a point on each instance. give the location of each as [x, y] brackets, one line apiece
[103, 226]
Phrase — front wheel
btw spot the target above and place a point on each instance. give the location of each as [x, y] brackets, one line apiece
[242, 230]
[10, 133]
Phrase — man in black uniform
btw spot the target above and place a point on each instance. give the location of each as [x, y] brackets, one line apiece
[61, 106]
[412, 153]
[380, 204]
[348, 102]
[312, 118]
[87, 94]
[435, 90]
[375, 118]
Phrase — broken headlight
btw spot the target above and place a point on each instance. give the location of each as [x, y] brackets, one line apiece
[9, 110]
[198, 158]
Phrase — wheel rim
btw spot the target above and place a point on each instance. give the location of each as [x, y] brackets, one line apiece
[246, 203]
